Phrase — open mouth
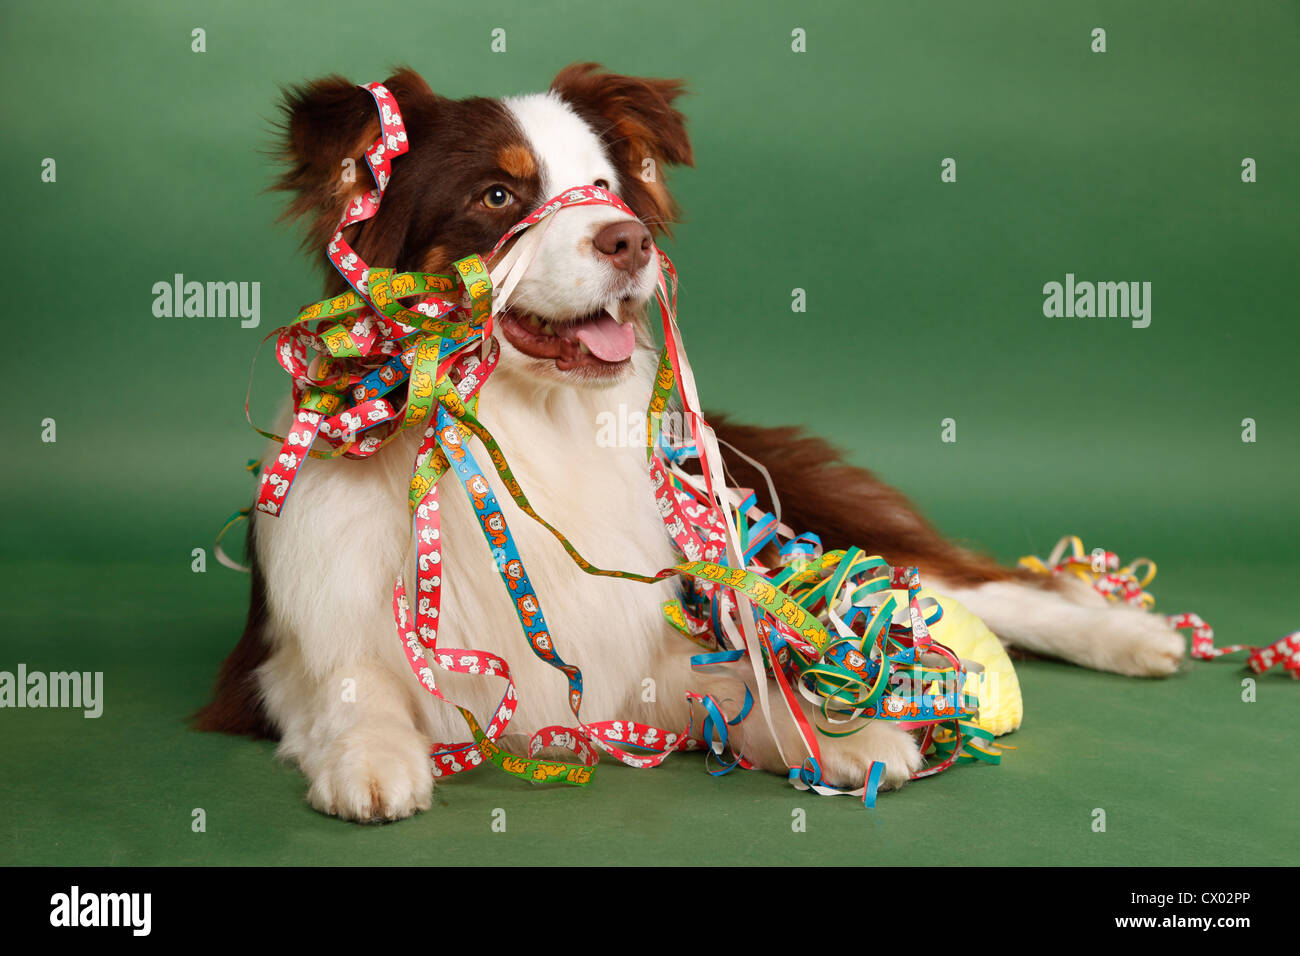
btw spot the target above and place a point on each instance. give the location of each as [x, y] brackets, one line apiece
[596, 341]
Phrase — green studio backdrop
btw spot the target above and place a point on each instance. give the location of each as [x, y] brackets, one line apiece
[816, 170]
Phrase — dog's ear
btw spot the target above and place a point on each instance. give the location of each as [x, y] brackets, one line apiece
[326, 127]
[643, 131]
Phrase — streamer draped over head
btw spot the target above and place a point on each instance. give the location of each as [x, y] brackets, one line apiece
[365, 366]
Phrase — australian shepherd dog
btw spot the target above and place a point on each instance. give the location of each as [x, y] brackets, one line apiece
[319, 666]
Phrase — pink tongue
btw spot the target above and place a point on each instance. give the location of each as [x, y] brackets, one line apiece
[608, 340]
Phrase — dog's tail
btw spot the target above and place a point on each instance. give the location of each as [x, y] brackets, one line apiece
[848, 506]
[236, 706]
[1041, 614]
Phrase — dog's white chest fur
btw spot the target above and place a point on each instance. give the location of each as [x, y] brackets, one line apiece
[345, 534]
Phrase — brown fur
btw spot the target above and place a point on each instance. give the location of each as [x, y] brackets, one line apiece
[433, 197]
[236, 706]
[324, 123]
[517, 161]
[635, 120]
[847, 506]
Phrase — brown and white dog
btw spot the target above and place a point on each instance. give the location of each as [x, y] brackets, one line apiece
[574, 344]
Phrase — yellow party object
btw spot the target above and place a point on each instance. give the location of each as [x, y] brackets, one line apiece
[997, 686]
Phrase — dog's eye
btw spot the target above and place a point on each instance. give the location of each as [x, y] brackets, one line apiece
[497, 197]
[602, 183]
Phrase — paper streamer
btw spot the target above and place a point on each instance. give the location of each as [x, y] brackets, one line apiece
[1101, 569]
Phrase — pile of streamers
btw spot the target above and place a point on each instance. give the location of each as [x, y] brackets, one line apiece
[1101, 569]
[820, 625]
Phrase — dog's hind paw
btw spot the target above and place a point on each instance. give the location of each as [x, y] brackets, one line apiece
[1141, 644]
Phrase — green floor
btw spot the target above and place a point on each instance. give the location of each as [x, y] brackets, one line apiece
[1186, 772]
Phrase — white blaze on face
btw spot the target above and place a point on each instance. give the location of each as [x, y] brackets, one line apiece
[568, 279]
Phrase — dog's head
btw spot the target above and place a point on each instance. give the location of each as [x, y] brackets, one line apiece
[475, 168]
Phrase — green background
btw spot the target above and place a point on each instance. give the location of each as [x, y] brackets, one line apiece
[817, 170]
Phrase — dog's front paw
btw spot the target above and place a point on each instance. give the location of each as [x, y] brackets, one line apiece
[846, 760]
[1141, 644]
[373, 773]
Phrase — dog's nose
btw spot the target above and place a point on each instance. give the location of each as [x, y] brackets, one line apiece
[626, 244]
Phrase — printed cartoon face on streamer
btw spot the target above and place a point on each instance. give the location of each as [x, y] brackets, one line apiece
[494, 525]
[896, 707]
[478, 166]
[664, 377]
[421, 384]
[451, 441]
[478, 490]
[528, 609]
[403, 285]
[451, 401]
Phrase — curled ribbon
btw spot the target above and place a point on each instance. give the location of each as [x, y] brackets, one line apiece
[1285, 651]
[1102, 570]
